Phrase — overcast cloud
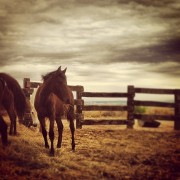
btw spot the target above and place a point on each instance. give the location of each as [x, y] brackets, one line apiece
[106, 44]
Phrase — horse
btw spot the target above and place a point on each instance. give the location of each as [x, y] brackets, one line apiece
[52, 99]
[3, 125]
[3, 131]
[13, 100]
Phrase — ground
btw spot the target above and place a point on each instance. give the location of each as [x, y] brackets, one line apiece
[102, 152]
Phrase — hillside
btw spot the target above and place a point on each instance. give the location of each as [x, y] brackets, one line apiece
[103, 152]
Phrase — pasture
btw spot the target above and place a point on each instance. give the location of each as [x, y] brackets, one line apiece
[102, 152]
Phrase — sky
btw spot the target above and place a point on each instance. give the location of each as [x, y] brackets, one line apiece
[106, 45]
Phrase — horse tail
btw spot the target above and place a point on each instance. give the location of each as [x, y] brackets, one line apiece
[2, 87]
[19, 97]
[70, 113]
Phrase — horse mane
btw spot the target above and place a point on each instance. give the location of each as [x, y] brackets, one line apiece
[44, 90]
[19, 97]
[56, 72]
[46, 76]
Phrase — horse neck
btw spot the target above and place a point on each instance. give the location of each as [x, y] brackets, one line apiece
[47, 89]
[19, 97]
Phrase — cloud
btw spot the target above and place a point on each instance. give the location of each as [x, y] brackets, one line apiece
[166, 68]
[166, 50]
[88, 35]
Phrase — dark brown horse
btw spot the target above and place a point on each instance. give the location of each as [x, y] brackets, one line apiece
[51, 100]
[12, 99]
[3, 125]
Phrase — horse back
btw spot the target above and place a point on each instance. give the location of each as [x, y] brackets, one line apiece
[18, 94]
[48, 106]
[8, 98]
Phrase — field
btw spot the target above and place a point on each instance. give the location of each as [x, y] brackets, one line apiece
[102, 152]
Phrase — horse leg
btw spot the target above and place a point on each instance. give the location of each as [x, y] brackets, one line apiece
[12, 116]
[60, 131]
[51, 135]
[11, 113]
[3, 131]
[43, 130]
[70, 116]
[8, 103]
[72, 134]
[15, 129]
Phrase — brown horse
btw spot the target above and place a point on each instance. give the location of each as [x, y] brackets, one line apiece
[3, 125]
[51, 100]
[13, 100]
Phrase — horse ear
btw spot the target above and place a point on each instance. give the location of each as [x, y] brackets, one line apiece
[64, 71]
[59, 68]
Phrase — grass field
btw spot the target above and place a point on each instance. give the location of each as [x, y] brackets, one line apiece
[102, 152]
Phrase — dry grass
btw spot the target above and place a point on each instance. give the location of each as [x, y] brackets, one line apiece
[102, 152]
[105, 114]
[160, 110]
[123, 114]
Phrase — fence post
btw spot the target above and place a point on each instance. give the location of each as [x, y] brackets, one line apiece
[130, 104]
[177, 110]
[27, 121]
[79, 115]
[27, 87]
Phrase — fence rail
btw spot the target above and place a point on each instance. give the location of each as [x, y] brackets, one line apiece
[130, 108]
[103, 94]
[154, 91]
[154, 104]
[104, 122]
[157, 117]
[104, 108]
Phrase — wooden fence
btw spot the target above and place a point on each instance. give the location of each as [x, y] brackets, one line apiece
[130, 107]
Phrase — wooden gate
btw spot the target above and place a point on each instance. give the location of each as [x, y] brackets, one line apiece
[130, 107]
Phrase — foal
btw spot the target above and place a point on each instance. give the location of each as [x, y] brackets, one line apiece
[51, 100]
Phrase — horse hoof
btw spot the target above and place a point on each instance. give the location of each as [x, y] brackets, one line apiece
[10, 133]
[73, 147]
[58, 146]
[52, 153]
[5, 144]
[47, 146]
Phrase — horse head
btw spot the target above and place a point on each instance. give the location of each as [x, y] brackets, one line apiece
[56, 81]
